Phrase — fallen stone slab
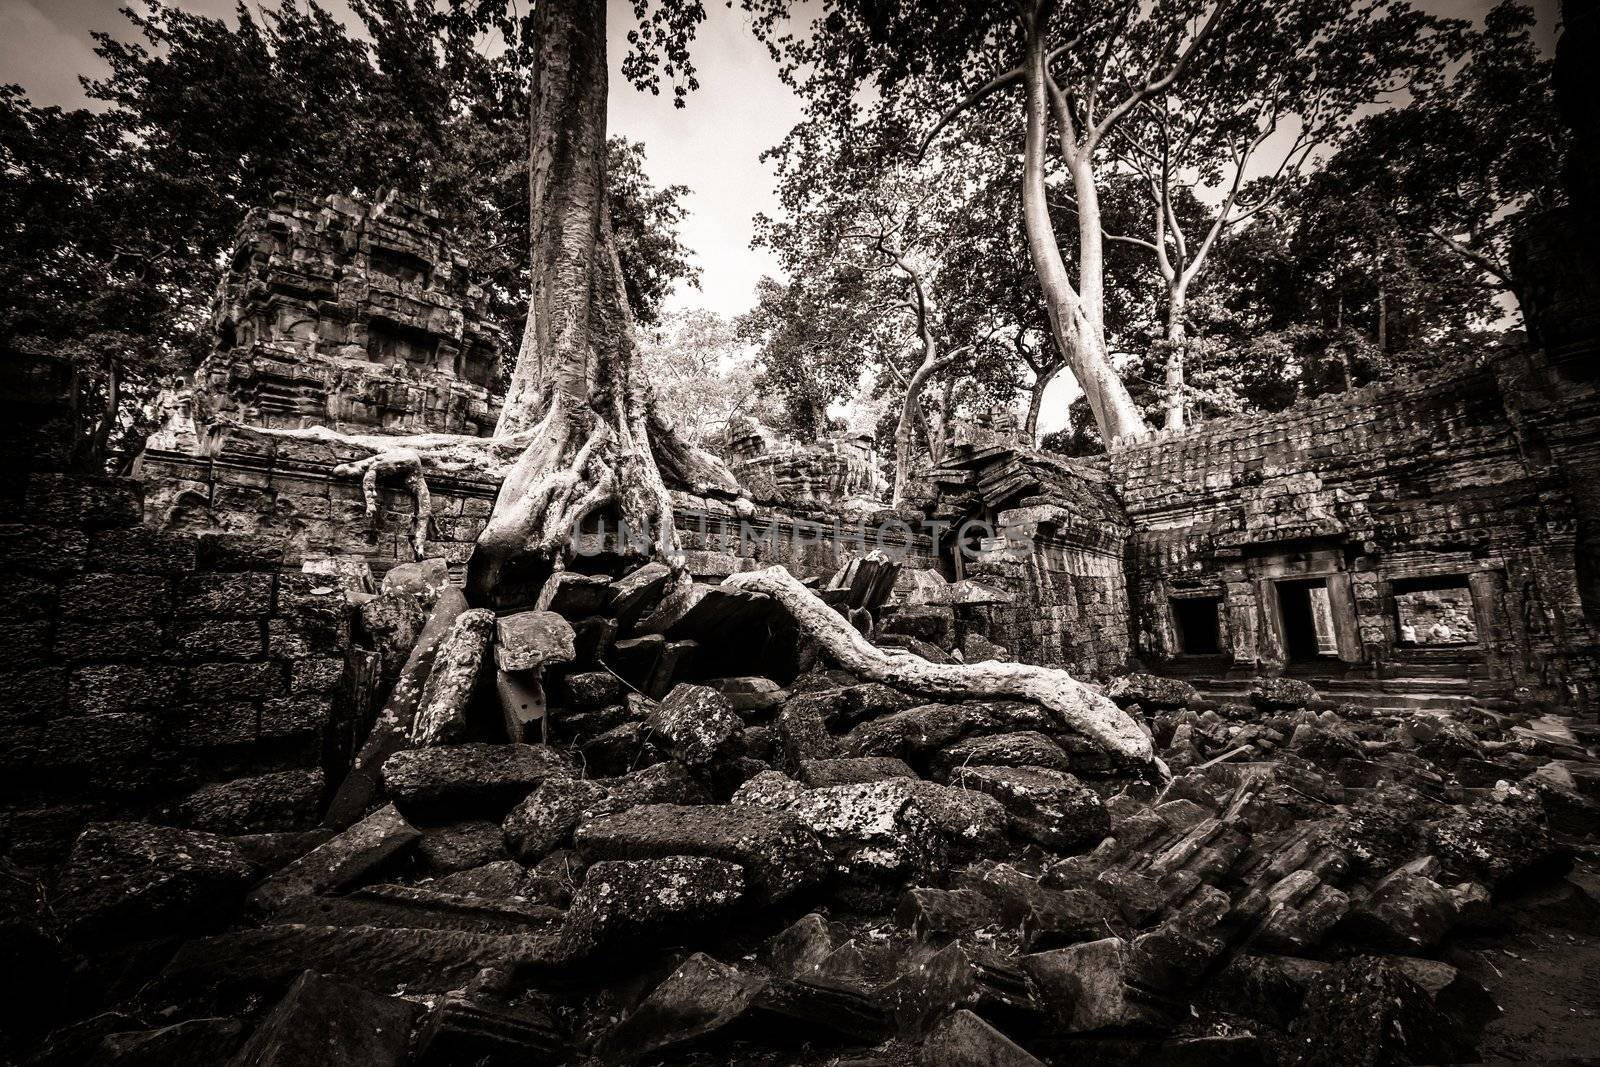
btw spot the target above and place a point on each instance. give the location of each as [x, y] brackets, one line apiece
[442, 715]
[932, 984]
[941, 915]
[530, 640]
[500, 880]
[1406, 912]
[697, 721]
[820, 773]
[827, 1003]
[915, 732]
[769, 789]
[424, 579]
[573, 595]
[130, 881]
[389, 733]
[401, 907]
[1026, 748]
[340, 861]
[1367, 1011]
[754, 697]
[1093, 986]
[377, 959]
[446, 781]
[698, 998]
[280, 802]
[1152, 692]
[331, 1024]
[1279, 694]
[544, 821]
[1049, 807]
[460, 846]
[778, 853]
[965, 1040]
[626, 903]
[638, 592]
[588, 690]
[459, 1031]
[876, 834]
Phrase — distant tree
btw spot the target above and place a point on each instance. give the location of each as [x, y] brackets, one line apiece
[813, 339]
[1471, 159]
[702, 375]
[1234, 137]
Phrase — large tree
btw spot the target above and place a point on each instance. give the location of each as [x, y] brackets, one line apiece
[1235, 136]
[1474, 156]
[1081, 66]
[116, 219]
[578, 394]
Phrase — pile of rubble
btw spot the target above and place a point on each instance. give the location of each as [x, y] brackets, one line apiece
[671, 862]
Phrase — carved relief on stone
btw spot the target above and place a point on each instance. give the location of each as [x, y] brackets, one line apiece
[355, 316]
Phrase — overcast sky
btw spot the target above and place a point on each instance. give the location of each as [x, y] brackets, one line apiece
[711, 146]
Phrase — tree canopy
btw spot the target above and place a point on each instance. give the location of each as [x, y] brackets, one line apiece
[117, 219]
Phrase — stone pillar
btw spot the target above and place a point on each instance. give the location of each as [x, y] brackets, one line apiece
[1342, 604]
[1488, 608]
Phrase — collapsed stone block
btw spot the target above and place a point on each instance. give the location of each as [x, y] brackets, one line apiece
[332, 1024]
[473, 779]
[779, 854]
[340, 861]
[696, 721]
[623, 903]
[132, 880]
[530, 640]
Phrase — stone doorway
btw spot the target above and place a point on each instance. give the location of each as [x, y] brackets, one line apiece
[1305, 616]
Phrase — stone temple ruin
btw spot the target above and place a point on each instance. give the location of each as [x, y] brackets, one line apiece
[626, 823]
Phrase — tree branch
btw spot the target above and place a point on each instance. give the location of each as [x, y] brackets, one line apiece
[972, 99]
[1156, 83]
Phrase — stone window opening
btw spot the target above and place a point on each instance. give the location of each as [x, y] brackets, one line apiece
[1197, 625]
[1434, 613]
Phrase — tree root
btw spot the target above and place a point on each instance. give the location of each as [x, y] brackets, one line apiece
[408, 466]
[550, 482]
[1079, 707]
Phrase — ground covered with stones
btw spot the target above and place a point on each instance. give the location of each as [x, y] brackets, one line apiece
[723, 870]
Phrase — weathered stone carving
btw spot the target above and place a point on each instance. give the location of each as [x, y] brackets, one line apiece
[357, 316]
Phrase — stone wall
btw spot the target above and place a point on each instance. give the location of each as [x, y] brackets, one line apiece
[285, 490]
[1050, 533]
[149, 671]
[1468, 481]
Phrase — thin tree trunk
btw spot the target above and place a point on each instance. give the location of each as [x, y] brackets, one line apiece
[1177, 341]
[108, 418]
[1076, 326]
[1383, 321]
[946, 406]
[910, 410]
[1041, 382]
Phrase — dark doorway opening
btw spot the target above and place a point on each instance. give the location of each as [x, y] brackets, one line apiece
[1307, 620]
[1196, 623]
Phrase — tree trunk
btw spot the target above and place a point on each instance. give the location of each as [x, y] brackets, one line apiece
[1383, 321]
[910, 413]
[1177, 341]
[1041, 382]
[578, 387]
[1077, 326]
[947, 403]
